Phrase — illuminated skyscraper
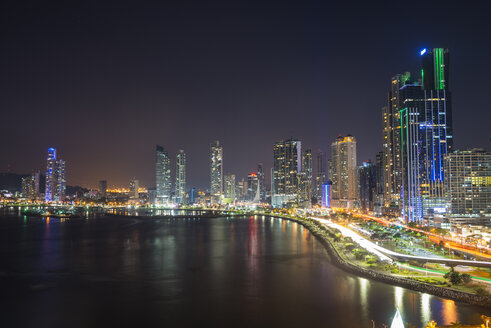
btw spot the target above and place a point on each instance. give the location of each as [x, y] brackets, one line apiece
[260, 177]
[229, 188]
[367, 177]
[287, 164]
[426, 137]
[181, 177]
[134, 187]
[320, 176]
[55, 178]
[253, 190]
[391, 145]
[162, 175]
[216, 171]
[344, 188]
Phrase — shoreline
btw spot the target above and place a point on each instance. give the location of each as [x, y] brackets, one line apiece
[414, 285]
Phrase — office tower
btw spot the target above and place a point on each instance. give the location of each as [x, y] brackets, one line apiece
[320, 176]
[379, 194]
[307, 178]
[287, 164]
[162, 175]
[216, 171]
[103, 188]
[241, 190]
[229, 188]
[27, 185]
[134, 186]
[344, 188]
[391, 145]
[193, 195]
[55, 178]
[367, 177]
[181, 177]
[253, 190]
[468, 182]
[426, 137]
[260, 177]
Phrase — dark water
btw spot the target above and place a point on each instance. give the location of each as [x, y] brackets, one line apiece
[247, 272]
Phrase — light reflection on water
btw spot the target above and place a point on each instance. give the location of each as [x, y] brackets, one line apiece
[240, 272]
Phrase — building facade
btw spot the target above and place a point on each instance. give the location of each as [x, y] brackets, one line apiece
[180, 194]
[468, 182]
[216, 171]
[287, 164]
[55, 178]
[367, 181]
[320, 176]
[229, 188]
[343, 172]
[426, 137]
[162, 176]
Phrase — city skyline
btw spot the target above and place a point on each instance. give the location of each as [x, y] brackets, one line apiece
[308, 75]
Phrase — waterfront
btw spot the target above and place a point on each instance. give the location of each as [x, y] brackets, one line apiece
[188, 272]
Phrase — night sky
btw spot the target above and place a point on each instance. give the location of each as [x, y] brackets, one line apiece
[104, 83]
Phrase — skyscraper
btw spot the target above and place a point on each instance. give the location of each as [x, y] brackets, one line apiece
[426, 137]
[229, 188]
[134, 187]
[287, 164]
[162, 175]
[260, 177]
[253, 190]
[55, 178]
[306, 189]
[344, 188]
[320, 176]
[391, 145]
[367, 177]
[103, 187]
[181, 177]
[216, 171]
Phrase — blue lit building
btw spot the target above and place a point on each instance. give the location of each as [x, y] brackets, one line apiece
[426, 137]
[55, 178]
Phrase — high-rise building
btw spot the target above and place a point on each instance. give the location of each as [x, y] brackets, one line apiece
[426, 137]
[181, 177]
[287, 164]
[320, 176]
[229, 188]
[193, 195]
[343, 174]
[307, 180]
[253, 190]
[391, 145]
[216, 171]
[260, 177]
[134, 187]
[55, 178]
[103, 188]
[468, 182]
[241, 190]
[367, 177]
[163, 184]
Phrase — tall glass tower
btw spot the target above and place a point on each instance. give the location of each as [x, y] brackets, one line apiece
[162, 175]
[55, 178]
[426, 137]
[216, 171]
[181, 177]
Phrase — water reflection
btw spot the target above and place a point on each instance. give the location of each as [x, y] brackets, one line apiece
[236, 272]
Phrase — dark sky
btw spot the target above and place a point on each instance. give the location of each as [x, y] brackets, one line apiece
[104, 82]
